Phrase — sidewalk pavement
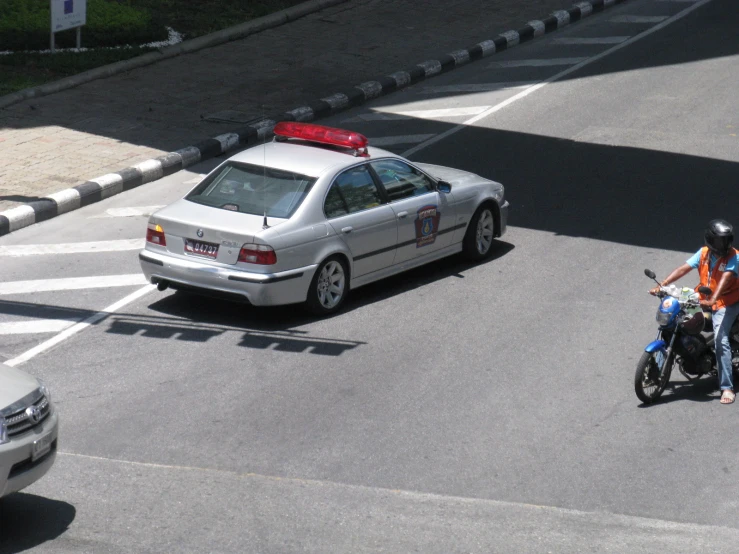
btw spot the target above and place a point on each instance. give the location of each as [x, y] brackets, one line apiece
[55, 142]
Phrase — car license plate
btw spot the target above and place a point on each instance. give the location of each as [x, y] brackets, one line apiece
[198, 248]
[41, 447]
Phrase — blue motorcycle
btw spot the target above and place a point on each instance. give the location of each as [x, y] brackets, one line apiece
[685, 339]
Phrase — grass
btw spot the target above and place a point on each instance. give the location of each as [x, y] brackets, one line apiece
[24, 25]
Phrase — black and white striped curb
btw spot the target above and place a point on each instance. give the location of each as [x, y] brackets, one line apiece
[148, 171]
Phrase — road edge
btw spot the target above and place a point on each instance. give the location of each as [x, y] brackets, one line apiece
[154, 169]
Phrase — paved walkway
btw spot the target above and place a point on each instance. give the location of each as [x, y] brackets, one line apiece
[61, 140]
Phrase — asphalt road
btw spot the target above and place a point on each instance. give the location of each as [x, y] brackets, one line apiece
[455, 408]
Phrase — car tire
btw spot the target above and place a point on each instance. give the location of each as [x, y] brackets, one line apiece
[329, 287]
[480, 237]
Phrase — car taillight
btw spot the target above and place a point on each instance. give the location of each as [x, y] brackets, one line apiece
[155, 235]
[258, 254]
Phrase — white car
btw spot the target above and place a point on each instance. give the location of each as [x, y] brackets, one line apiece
[314, 214]
[29, 427]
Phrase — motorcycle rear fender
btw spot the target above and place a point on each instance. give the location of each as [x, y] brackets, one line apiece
[656, 345]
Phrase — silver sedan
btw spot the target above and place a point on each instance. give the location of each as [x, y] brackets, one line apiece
[313, 214]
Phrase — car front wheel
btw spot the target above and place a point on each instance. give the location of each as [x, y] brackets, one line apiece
[329, 287]
[478, 242]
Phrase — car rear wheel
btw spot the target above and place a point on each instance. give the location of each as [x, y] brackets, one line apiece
[478, 242]
[329, 287]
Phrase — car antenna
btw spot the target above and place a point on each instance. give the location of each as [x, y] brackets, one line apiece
[265, 225]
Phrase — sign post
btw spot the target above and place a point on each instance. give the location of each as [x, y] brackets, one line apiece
[68, 14]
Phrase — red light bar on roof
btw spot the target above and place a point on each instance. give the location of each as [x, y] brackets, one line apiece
[322, 134]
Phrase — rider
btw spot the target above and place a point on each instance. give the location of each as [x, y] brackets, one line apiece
[716, 263]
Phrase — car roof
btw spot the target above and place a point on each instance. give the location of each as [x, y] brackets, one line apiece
[305, 158]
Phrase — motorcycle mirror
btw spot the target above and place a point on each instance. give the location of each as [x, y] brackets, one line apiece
[649, 273]
[705, 290]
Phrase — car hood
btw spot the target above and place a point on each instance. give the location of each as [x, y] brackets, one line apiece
[14, 385]
[455, 177]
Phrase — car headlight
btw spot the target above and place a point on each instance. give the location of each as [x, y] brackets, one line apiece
[3, 431]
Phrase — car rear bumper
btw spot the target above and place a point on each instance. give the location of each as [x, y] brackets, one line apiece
[17, 470]
[259, 289]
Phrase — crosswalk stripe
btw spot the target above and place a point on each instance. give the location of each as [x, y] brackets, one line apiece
[35, 326]
[591, 40]
[477, 87]
[127, 212]
[18, 250]
[73, 283]
[416, 114]
[638, 18]
[399, 139]
[536, 62]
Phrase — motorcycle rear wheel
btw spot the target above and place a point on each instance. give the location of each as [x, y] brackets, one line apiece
[648, 383]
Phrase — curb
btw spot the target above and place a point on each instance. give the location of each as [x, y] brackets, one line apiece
[213, 39]
[151, 170]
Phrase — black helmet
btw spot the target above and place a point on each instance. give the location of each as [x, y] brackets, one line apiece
[693, 324]
[719, 236]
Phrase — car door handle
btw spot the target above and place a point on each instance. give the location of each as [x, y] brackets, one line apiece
[401, 215]
[347, 230]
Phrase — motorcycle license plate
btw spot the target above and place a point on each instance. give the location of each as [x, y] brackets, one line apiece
[41, 447]
[198, 248]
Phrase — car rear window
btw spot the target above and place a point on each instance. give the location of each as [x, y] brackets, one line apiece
[251, 189]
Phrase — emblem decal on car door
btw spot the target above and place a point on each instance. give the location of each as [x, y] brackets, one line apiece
[427, 225]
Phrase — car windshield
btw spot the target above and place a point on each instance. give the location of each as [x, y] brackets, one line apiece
[251, 189]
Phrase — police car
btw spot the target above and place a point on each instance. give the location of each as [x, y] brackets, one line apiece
[313, 214]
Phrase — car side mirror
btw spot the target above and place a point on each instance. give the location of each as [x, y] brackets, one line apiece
[443, 186]
[705, 291]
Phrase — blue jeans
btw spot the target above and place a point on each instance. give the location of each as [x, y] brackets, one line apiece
[723, 319]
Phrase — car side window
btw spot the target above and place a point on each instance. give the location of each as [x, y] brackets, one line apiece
[352, 191]
[401, 180]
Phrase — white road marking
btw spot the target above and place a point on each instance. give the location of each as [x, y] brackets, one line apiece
[70, 331]
[73, 283]
[195, 180]
[478, 87]
[416, 114]
[127, 212]
[399, 139]
[638, 18]
[536, 62]
[552, 79]
[18, 250]
[590, 40]
[35, 326]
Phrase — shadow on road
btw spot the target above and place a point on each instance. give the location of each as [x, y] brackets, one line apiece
[28, 521]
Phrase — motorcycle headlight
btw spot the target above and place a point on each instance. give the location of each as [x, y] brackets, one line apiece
[3, 431]
[663, 318]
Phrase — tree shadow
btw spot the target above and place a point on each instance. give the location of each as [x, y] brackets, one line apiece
[28, 521]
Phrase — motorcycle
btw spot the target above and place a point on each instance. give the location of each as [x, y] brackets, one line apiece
[684, 338]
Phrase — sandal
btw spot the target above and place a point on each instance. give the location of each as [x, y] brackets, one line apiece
[728, 397]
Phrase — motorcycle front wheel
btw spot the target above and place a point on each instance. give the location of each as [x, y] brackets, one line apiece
[648, 383]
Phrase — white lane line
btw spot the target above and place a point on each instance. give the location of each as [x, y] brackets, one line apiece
[127, 212]
[416, 114]
[73, 283]
[638, 18]
[18, 250]
[92, 320]
[536, 62]
[478, 87]
[399, 139]
[35, 326]
[195, 180]
[552, 79]
[590, 40]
